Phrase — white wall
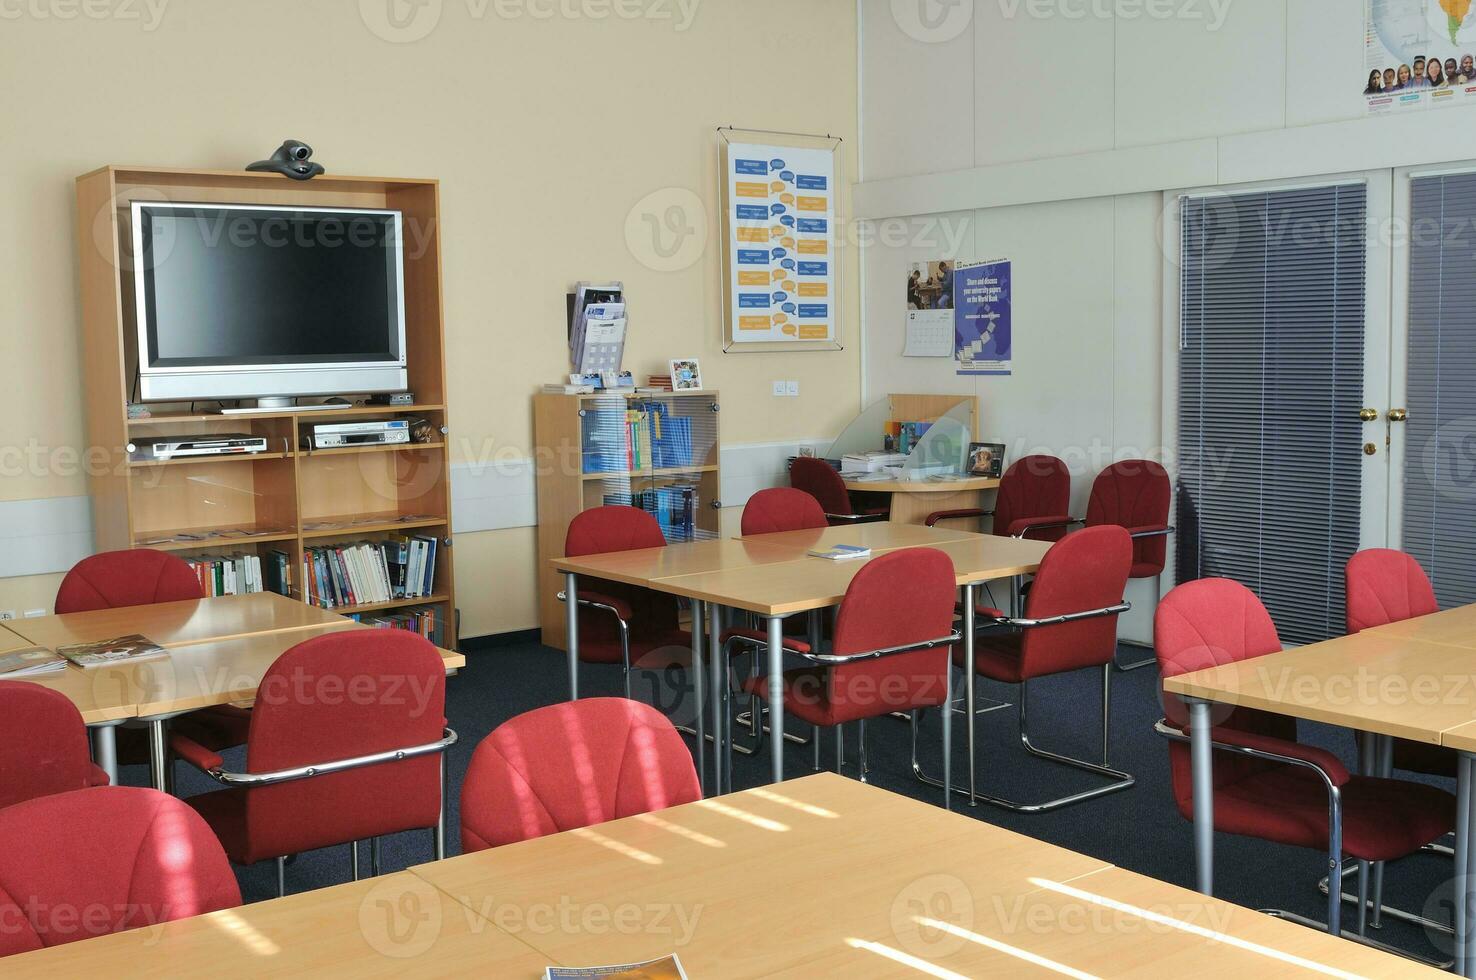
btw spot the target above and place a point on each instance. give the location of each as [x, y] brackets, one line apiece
[1083, 120]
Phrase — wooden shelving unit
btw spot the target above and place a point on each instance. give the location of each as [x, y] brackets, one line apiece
[285, 496]
[576, 439]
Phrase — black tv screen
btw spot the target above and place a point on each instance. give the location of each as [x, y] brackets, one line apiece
[241, 285]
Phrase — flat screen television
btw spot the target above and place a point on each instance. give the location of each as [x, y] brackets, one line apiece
[247, 301]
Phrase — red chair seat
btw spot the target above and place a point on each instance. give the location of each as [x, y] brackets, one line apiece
[598, 650]
[997, 656]
[817, 700]
[1383, 819]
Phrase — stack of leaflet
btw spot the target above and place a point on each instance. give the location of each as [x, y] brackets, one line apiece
[597, 328]
[872, 462]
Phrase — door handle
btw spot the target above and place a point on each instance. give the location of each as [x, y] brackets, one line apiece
[1397, 415]
[1368, 414]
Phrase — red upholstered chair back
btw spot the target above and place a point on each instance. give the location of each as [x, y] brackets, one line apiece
[781, 509]
[820, 480]
[599, 531]
[573, 765]
[1201, 624]
[1386, 586]
[97, 861]
[1134, 493]
[126, 578]
[895, 599]
[43, 745]
[336, 696]
[1033, 486]
[1084, 570]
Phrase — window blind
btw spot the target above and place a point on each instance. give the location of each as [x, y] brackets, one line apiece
[1439, 484]
[1270, 385]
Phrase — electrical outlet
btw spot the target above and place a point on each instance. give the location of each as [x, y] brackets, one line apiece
[791, 389]
[7, 613]
[33, 613]
[779, 389]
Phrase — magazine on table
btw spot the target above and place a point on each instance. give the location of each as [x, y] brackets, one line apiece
[29, 662]
[665, 968]
[111, 652]
[842, 552]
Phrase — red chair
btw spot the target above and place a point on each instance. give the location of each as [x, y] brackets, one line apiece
[1135, 494]
[43, 744]
[1032, 501]
[344, 743]
[572, 765]
[889, 651]
[1070, 623]
[821, 480]
[141, 577]
[1265, 783]
[98, 861]
[619, 623]
[781, 509]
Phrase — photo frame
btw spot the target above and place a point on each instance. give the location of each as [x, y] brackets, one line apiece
[686, 374]
[986, 459]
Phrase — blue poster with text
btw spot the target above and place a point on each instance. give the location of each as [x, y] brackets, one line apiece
[982, 334]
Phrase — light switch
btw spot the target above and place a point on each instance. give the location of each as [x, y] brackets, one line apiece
[792, 389]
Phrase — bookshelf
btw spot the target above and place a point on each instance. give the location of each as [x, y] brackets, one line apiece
[656, 451]
[289, 498]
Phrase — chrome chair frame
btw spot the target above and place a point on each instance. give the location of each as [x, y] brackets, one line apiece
[832, 660]
[563, 596]
[251, 779]
[1120, 780]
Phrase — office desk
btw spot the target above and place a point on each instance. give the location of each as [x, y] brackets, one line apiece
[776, 591]
[877, 535]
[216, 653]
[913, 500]
[1389, 686]
[389, 926]
[172, 624]
[1456, 627]
[826, 876]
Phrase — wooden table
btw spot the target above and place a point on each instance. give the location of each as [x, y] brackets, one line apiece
[854, 882]
[1380, 682]
[217, 652]
[776, 590]
[826, 876]
[913, 500]
[1456, 627]
[391, 926]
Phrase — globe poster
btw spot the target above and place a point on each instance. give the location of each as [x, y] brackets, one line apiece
[1419, 54]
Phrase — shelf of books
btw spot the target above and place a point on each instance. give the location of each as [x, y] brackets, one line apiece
[656, 451]
[363, 531]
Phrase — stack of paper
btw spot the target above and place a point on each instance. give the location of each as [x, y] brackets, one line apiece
[597, 331]
[873, 462]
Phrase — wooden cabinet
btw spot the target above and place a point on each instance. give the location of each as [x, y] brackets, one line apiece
[290, 497]
[659, 452]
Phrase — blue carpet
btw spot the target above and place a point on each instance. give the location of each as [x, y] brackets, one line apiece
[1139, 829]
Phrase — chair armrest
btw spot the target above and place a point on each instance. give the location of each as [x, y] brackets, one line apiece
[1332, 770]
[195, 754]
[1150, 531]
[761, 639]
[855, 518]
[97, 777]
[448, 738]
[618, 608]
[1022, 622]
[1023, 526]
[955, 515]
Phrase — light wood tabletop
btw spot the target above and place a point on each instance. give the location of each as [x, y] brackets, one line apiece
[1456, 627]
[643, 565]
[177, 623]
[751, 884]
[199, 675]
[816, 583]
[962, 484]
[826, 876]
[876, 535]
[1388, 685]
[392, 926]
[98, 702]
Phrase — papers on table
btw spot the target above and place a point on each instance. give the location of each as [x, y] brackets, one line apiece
[29, 662]
[842, 552]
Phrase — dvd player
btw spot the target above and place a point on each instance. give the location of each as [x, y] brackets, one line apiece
[214, 444]
[334, 435]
